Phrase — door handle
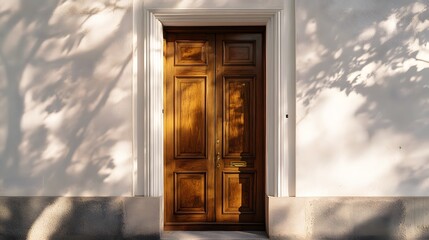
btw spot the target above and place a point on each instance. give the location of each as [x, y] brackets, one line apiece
[218, 160]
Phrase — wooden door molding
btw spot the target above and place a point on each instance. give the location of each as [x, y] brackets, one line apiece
[214, 129]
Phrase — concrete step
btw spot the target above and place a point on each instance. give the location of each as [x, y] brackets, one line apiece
[214, 235]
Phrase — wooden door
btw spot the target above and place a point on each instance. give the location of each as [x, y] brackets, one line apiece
[214, 130]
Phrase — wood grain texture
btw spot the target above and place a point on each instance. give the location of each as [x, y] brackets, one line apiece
[188, 52]
[239, 116]
[214, 128]
[239, 53]
[239, 192]
[190, 117]
[190, 194]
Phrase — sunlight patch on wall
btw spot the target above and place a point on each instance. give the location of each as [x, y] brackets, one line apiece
[121, 154]
[334, 147]
[34, 114]
[54, 120]
[97, 31]
[367, 34]
[117, 95]
[422, 57]
[54, 150]
[9, 6]
[389, 26]
[76, 168]
[51, 220]
[311, 52]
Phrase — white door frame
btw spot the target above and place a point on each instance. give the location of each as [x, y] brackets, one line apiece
[148, 20]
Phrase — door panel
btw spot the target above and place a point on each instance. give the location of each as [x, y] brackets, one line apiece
[189, 121]
[239, 52]
[214, 131]
[190, 117]
[191, 52]
[240, 100]
[239, 191]
[190, 195]
[239, 113]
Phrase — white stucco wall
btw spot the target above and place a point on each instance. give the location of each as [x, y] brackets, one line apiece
[65, 97]
[362, 97]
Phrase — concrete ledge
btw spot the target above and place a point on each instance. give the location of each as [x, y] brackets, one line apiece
[141, 218]
[80, 218]
[348, 218]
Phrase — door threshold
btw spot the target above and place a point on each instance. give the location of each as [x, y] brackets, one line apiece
[214, 235]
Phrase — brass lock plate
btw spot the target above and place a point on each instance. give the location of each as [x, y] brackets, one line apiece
[239, 164]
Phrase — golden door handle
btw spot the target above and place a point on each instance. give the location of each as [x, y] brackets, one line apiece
[218, 160]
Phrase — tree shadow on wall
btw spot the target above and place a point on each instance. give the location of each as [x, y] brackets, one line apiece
[62, 218]
[59, 74]
[377, 50]
[61, 85]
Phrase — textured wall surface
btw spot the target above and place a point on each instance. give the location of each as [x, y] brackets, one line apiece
[348, 218]
[362, 97]
[65, 97]
[44, 218]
